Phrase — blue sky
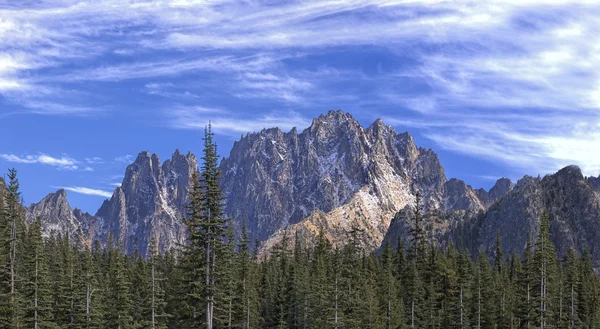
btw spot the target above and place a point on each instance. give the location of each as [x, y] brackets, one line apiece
[496, 88]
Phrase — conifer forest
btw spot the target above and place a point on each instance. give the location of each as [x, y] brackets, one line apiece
[218, 279]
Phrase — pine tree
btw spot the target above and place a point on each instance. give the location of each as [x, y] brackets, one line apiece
[36, 293]
[15, 227]
[158, 315]
[190, 275]
[226, 282]
[246, 306]
[6, 309]
[117, 297]
[571, 284]
[321, 303]
[388, 290]
[525, 303]
[464, 271]
[544, 274]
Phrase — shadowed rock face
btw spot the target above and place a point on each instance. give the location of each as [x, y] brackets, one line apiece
[340, 176]
[335, 174]
[57, 216]
[573, 205]
[151, 201]
[500, 189]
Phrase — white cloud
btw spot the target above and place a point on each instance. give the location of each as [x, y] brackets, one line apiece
[86, 190]
[128, 158]
[224, 122]
[533, 61]
[94, 160]
[63, 163]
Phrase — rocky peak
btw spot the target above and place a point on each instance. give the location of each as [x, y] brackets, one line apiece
[56, 216]
[460, 196]
[571, 201]
[499, 190]
[150, 201]
[334, 174]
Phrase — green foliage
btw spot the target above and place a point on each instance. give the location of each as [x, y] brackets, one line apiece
[52, 283]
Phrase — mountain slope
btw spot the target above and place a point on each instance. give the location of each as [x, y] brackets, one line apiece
[150, 202]
[572, 202]
[57, 216]
[334, 174]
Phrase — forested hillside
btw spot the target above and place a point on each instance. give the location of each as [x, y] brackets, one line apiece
[216, 281]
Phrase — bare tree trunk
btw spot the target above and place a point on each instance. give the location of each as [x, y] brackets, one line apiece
[389, 307]
[153, 292]
[572, 308]
[412, 313]
[230, 314]
[208, 281]
[461, 308]
[336, 303]
[35, 300]
[88, 304]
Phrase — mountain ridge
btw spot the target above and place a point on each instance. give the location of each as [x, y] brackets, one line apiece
[336, 175]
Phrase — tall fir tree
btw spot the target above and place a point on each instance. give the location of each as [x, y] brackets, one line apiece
[36, 293]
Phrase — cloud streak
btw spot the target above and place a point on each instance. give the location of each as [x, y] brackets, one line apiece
[225, 122]
[86, 191]
[63, 163]
[515, 81]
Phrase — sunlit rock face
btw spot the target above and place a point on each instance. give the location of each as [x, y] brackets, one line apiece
[336, 175]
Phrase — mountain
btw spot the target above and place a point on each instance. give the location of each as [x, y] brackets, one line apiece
[450, 223]
[573, 205]
[151, 201]
[337, 175]
[57, 216]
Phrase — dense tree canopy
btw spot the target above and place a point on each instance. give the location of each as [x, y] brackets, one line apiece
[218, 281]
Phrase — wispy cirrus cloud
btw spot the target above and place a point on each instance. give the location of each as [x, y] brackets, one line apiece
[85, 190]
[435, 62]
[225, 122]
[127, 158]
[63, 163]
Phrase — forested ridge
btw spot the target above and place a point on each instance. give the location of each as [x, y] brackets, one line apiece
[216, 280]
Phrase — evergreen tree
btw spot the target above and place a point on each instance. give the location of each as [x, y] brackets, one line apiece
[6, 309]
[158, 315]
[571, 283]
[117, 297]
[36, 293]
[544, 275]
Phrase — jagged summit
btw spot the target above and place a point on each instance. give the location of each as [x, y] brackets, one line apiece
[150, 201]
[57, 216]
[335, 172]
[338, 175]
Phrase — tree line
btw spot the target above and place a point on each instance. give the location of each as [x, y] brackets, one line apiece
[218, 280]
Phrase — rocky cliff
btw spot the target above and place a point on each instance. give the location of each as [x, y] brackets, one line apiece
[573, 205]
[57, 217]
[337, 175]
[151, 201]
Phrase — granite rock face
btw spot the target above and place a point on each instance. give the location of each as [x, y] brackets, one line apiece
[151, 201]
[573, 205]
[57, 217]
[337, 175]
